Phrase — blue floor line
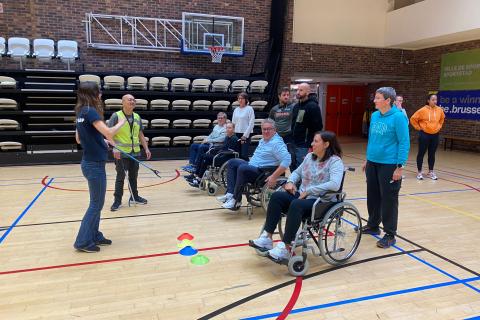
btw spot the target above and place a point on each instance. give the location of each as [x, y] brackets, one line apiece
[7, 232]
[370, 297]
[474, 318]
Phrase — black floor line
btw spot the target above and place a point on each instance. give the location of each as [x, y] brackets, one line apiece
[290, 282]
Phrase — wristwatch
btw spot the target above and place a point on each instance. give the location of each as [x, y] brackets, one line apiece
[399, 165]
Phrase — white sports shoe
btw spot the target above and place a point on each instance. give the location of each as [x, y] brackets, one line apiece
[232, 204]
[280, 252]
[263, 242]
[225, 197]
[419, 176]
[432, 175]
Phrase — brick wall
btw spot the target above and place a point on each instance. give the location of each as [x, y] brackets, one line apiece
[58, 19]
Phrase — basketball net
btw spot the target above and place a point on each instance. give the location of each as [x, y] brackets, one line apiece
[217, 53]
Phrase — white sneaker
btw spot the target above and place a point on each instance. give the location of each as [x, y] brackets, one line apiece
[419, 176]
[225, 197]
[432, 175]
[280, 252]
[232, 204]
[263, 242]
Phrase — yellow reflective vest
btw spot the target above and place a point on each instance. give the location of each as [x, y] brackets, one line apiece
[127, 138]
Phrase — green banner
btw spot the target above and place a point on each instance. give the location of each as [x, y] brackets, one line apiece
[460, 70]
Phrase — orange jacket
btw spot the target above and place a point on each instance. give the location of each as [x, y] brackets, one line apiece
[428, 119]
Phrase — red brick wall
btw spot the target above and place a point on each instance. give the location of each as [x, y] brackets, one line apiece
[63, 20]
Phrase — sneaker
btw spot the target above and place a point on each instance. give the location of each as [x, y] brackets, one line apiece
[139, 200]
[91, 249]
[194, 183]
[280, 252]
[262, 243]
[432, 175]
[115, 206]
[225, 197]
[189, 177]
[103, 242]
[370, 230]
[232, 204]
[387, 241]
[419, 176]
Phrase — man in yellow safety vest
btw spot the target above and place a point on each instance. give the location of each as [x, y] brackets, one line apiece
[128, 139]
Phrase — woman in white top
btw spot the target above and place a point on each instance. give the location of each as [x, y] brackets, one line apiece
[243, 118]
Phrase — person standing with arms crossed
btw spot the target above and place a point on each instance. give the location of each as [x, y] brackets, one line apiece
[90, 130]
[428, 121]
[387, 153]
[282, 115]
[128, 139]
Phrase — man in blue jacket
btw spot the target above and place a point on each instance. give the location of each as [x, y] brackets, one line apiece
[387, 154]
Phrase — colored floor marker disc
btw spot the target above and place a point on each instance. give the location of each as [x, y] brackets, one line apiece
[199, 260]
[184, 236]
[185, 243]
[188, 251]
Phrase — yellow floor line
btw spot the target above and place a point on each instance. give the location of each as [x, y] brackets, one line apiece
[462, 212]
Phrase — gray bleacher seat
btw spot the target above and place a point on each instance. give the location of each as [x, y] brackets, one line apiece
[160, 141]
[18, 49]
[182, 123]
[144, 123]
[202, 105]
[159, 123]
[220, 105]
[141, 104]
[159, 104]
[239, 85]
[256, 138]
[10, 145]
[7, 83]
[43, 49]
[9, 124]
[67, 51]
[201, 123]
[220, 85]
[258, 86]
[137, 83]
[113, 82]
[181, 105]
[182, 140]
[89, 78]
[158, 83]
[113, 104]
[8, 104]
[235, 104]
[199, 139]
[2, 47]
[257, 122]
[258, 105]
[200, 85]
[180, 84]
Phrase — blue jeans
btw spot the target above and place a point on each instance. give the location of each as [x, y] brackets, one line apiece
[94, 172]
[195, 150]
[238, 175]
[300, 154]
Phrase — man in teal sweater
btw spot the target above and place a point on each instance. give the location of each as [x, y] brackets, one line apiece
[387, 154]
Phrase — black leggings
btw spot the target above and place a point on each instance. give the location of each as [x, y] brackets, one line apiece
[296, 209]
[430, 142]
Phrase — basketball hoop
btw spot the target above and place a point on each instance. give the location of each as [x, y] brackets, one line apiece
[217, 53]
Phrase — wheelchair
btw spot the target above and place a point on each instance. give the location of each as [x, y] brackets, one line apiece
[216, 174]
[258, 193]
[329, 232]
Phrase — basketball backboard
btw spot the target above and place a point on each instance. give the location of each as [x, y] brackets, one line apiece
[201, 31]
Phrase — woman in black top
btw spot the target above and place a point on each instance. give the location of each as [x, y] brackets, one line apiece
[90, 133]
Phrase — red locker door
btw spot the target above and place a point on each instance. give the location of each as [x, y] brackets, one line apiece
[332, 109]
[345, 110]
[358, 108]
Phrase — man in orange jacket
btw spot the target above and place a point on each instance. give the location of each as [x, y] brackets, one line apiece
[428, 120]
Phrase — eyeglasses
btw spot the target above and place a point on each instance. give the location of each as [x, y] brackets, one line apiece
[268, 129]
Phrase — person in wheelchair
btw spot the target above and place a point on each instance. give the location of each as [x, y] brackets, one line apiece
[320, 172]
[271, 152]
[230, 143]
[214, 139]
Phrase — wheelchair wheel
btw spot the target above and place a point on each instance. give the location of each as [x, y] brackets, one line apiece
[222, 173]
[297, 267]
[339, 241]
[281, 226]
[212, 188]
[203, 185]
[267, 192]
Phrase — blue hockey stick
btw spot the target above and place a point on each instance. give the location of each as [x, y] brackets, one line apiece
[157, 173]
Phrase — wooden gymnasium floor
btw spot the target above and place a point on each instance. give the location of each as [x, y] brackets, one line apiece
[141, 276]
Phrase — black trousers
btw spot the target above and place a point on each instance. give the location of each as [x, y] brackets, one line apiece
[243, 147]
[382, 196]
[426, 142]
[296, 209]
[132, 167]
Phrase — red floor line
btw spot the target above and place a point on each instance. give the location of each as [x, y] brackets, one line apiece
[293, 299]
[69, 265]
[461, 183]
[140, 187]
